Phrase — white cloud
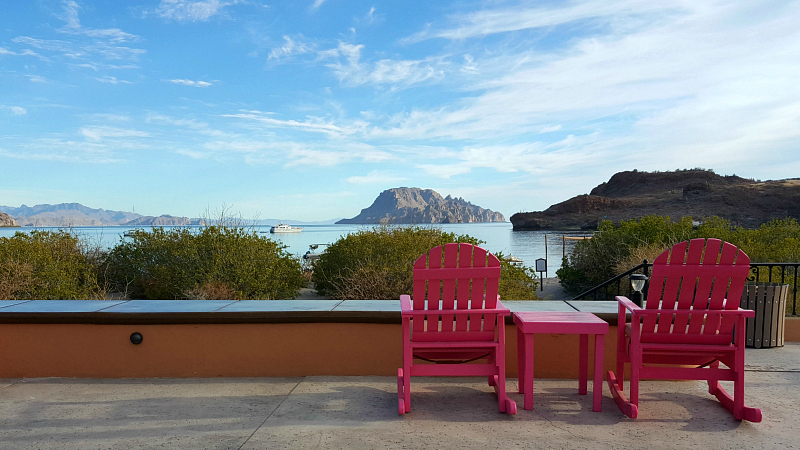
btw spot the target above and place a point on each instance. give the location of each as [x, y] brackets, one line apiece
[376, 177]
[706, 85]
[190, 82]
[6, 52]
[16, 110]
[191, 11]
[289, 48]
[99, 133]
[317, 4]
[112, 80]
[493, 21]
[398, 73]
[312, 124]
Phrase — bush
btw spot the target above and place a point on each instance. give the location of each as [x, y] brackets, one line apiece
[46, 265]
[217, 262]
[378, 264]
[595, 260]
[614, 250]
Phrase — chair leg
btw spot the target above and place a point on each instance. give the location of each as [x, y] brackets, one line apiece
[401, 396]
[734, 404]
[636, 365]
[627, 408]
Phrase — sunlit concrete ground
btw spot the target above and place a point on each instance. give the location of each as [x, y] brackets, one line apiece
[361, 412]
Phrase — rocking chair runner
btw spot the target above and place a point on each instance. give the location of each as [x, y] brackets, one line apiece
[465, 325]
[691, 318]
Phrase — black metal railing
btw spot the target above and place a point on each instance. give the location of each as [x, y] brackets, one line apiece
[609, 289]
[784, 273]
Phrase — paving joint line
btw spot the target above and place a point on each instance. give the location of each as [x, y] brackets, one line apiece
[271, 413]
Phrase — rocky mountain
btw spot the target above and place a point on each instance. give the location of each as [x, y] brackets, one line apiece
[7, 221]
[77, 215]
[414, 205]
[697, 193]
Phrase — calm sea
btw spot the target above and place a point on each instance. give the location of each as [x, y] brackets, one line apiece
[498, 237]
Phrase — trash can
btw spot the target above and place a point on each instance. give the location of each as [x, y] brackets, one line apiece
[768, 300]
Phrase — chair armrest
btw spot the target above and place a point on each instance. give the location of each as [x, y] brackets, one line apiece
[501, 307]
[408, 310]
[405, 303]
[456, 312]
[625, 302]
[724, 312]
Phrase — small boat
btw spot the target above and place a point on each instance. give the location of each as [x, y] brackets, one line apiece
[128, 233]
[283, 228]
[514, 260]
[313, 255]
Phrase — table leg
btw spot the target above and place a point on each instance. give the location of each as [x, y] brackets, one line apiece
[583, 368]
[597, 384]
[528, 371]
[520, 360]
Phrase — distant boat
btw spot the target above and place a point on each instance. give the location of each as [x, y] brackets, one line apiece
[129, 233]
[514, 260]
[283, 228]
[313, 255]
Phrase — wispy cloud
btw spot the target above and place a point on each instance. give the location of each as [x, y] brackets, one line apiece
[99, 133]
[63, 150]
[81, 45]
[16, 110]
[73, 26]
[317, 3]
[376, 177]
[397, 73]
[190, 82]
[112, 80]
[191, 11]
[311, 124]
[492, 21]
[6, 52]
[289, 48]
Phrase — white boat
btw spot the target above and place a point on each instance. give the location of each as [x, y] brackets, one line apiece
[283, 228]
[312, 254]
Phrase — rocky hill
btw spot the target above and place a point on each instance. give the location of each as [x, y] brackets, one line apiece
[414, 205]
[696, 193]
[77, 215]
[7, 221]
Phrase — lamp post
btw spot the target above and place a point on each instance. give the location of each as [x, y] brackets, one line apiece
[638, 281]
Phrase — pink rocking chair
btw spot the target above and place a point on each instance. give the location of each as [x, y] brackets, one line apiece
[466, 324]
[691, 318]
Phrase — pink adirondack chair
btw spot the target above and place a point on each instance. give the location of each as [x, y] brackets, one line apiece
[691, 318]
[456, 317]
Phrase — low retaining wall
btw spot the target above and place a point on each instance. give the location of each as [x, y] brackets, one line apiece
[294, 338]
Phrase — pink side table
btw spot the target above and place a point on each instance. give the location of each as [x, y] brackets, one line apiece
[582, 323]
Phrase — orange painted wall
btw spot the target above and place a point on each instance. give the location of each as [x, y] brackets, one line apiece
[250, 350]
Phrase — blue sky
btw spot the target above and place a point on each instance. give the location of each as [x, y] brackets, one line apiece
[308, 109]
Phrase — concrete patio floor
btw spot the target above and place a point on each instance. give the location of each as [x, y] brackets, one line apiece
[361, 412]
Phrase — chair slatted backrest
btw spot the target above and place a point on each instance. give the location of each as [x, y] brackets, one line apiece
[695, 279]
[455, 277]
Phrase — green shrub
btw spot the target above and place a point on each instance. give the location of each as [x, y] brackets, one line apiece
[46, 265]
[378, 264]
[215, 262]
[614, 250]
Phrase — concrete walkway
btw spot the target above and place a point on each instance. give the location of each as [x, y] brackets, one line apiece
[361, 412]
[551, 290]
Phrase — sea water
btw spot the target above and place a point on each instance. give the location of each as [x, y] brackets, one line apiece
[497, 237]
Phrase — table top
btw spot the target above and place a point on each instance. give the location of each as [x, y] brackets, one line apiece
[574, 322]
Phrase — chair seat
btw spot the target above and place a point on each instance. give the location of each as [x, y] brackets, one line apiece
[673, 337]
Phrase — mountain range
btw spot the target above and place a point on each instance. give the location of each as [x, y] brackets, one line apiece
[77, 215]
[414, 205]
